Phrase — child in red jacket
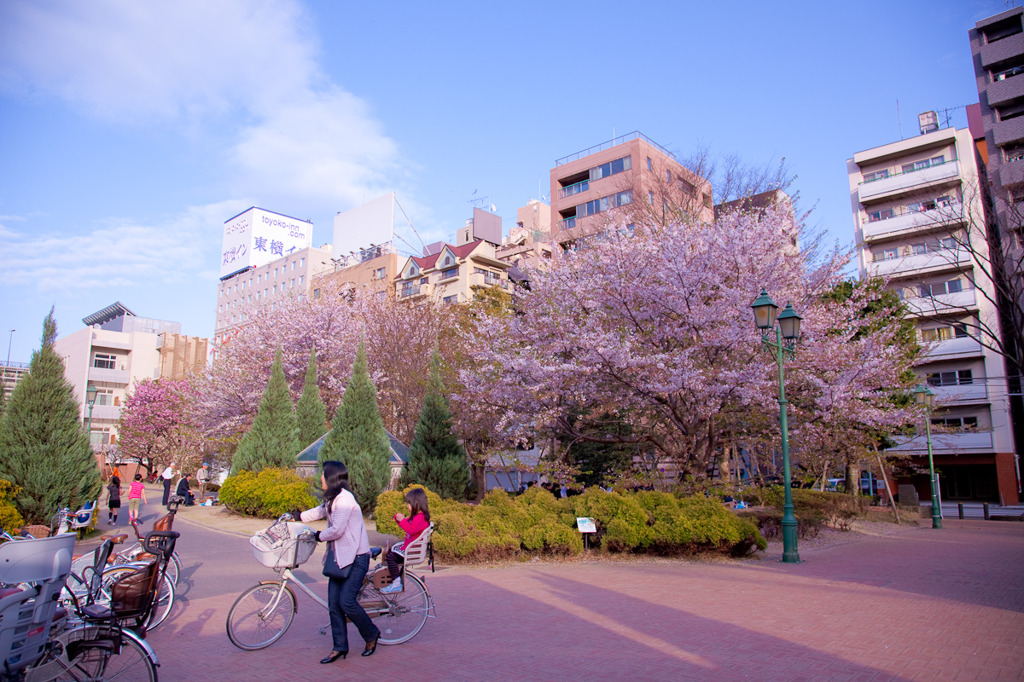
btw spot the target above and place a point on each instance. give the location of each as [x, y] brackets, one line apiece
[417, 522]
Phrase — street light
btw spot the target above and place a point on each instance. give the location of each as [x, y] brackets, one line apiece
[786, 328]
[925, 396]
[90, 399]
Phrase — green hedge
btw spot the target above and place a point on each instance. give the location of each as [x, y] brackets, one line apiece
[266, 494]
[536, 523]
[814, 509]
[10, 517]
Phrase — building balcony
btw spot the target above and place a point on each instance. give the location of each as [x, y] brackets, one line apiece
[908, 221]
[103, 341]
[943, 304]
[925, 262]
[905, 182]
[1011, 173]
[946, 395]
[1005, 91]
[104, 413]
[567, 223]
[478, 280]
[1008, 132]
[412, 290]
[111, 376]
[1001, 50]
[570, 190]
[953, 349]
[945, 443]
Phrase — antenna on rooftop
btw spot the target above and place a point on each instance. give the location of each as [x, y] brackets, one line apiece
[481, 202]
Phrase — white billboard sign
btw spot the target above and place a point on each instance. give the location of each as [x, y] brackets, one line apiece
[372, 223]
[257, 237]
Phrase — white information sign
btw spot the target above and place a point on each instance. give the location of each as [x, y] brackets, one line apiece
[586, 524]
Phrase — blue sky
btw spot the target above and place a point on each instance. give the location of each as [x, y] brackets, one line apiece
[130, 132]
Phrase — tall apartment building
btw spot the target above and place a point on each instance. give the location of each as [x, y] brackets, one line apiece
[912, 202]
[269, 284]
[997, 48]
[597, 187]
[115, 350]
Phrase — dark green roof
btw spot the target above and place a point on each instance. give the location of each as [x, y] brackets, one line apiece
[399, 451]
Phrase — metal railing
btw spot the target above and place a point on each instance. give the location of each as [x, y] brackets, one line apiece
[635, 135]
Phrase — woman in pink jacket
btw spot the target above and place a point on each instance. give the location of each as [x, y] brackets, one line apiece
[348, 547]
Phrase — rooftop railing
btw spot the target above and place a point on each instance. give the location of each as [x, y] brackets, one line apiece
[622, 139]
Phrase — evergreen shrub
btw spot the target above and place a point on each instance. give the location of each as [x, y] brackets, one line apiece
[538, 524]
[266, 494]
[10, 517]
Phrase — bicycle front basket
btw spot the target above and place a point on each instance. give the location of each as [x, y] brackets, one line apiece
[282, 545]
[132, 595]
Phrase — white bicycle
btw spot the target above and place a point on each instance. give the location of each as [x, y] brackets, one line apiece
[263, 613]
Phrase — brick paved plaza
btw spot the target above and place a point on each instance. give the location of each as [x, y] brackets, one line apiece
[920, 604]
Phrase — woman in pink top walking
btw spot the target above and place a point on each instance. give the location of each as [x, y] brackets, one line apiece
[136, 496]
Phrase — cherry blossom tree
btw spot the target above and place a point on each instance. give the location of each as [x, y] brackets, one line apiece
[158, 425]
[651, 324]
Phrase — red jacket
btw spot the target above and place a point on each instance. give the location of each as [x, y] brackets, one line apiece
[413, 527]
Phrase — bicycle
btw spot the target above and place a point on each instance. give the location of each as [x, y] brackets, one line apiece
[264, 612]
[40, 642]
[105, 641]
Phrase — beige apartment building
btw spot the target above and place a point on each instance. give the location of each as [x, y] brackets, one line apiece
[451, 274]
[115, 350]
[269, 284]
[610, 184]
[914, 203]
[370, 271]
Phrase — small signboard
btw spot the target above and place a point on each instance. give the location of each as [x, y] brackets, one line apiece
[586, 524]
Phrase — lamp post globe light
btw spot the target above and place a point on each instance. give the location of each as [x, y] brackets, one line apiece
[925, 396]
[90, 399]
[786, 328]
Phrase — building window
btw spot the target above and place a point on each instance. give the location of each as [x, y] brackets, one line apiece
[961, 424]
[668, 176]
[316, 293]
[877, 175]
[103, 361]
[450, 273]
[650, 197]
[604, 203]
[302, 279]
[380, 273]
[961, 377]
[875, 216]
[451, 299]
[923, 163]
[886, 254]
[939, 288]
[649, 166]
[956, 331]
[302, 262]
[611, 168]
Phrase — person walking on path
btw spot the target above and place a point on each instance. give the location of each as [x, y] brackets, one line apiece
[136, 497]
[347, 560]
[202, 476]
[168, 477]
[113, 500]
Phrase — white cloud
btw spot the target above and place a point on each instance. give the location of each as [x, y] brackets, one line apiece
[115, 254]
[241, 66]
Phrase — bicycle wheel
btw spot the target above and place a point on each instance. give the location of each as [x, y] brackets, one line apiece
[164, 597]
[407, 613]
[260, 616]
[90, 653]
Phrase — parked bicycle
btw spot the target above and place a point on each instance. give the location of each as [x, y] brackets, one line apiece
[41, 642]
[264, 612]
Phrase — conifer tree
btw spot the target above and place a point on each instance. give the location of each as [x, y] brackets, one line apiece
[310, 411]
[358, 438]
[44, 448]
[436, 458]
[272, 442]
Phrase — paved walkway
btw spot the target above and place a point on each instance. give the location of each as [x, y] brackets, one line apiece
[920, 604]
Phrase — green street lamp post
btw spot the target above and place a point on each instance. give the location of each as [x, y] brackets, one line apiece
[925, 396]
[786, 332]
[90, 399]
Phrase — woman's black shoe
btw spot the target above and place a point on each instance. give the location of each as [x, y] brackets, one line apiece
[335, 655]
[371, 647]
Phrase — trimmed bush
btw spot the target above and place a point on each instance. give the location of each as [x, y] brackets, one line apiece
[266, 494]
[537, 523]
[10, 517]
